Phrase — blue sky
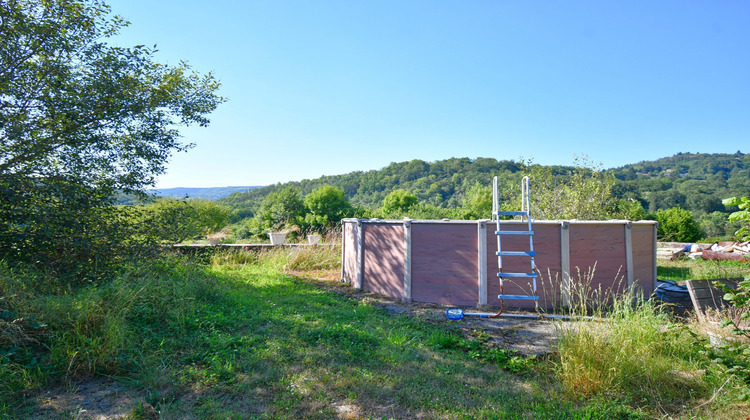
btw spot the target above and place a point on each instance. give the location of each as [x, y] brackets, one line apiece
[329, 87]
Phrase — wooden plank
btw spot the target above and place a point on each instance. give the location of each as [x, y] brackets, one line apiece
[705, 295]
[383, 259]
[444, 263]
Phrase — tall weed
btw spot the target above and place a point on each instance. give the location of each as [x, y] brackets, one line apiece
[96, 329]
[304, 258]
[632, 350]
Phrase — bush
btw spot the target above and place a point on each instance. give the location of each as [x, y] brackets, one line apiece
[742, 216]
[735, 355]
[325, 207]
[170, 220]
[678, 225]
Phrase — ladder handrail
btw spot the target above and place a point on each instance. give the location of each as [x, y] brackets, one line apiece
[526, 212]
[494, 199]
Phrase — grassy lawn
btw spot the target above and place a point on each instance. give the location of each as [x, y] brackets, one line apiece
[237, 340]
[687, 269]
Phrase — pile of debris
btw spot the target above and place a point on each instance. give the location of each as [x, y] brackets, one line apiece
[738, 251]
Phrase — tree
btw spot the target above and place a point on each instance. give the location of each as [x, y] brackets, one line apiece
[676, 224]
[281, 208]
[328, 201]
[81, 120]
[584, 194]
[171, 220]
[325, 207]
[399, 201]
[478, 202]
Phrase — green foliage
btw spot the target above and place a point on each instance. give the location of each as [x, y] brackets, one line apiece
[735, 355]
[586, 194]
[64, 227]
[79, 121]
[398, 201]
[693, 181]
[742, 216]
[478, 202]
[629, 209]
[717, 225]
[328, 201]
[634, 351]
[441, 184]
[169, 220]
[281, 208]
[677, 225]
[325, 207]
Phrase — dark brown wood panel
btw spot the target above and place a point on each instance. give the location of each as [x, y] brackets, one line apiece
[444, 263]
[383, 259]
[705, 295]
[597, 255]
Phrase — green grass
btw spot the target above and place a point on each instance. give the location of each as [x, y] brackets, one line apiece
[240, 339]
[634, 351]
[687, 269]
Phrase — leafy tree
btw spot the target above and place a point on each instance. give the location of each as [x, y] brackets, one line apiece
[329, 202]
[280, 209]
[717, 225]
[629, 209]
[585, 194]
[742, 216]
[677, 225]
[398, 201]
[171, 220]
[80, 120]
[478, 202]
[325, 207]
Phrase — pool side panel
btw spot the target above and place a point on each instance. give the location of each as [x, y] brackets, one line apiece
[444, 263]
[597, 253]
[383, 268]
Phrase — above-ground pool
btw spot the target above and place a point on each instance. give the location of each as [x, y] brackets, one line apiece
[454, 262]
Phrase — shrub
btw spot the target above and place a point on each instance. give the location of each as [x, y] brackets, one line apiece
[676, 224]
[735, 355]
[742, 216]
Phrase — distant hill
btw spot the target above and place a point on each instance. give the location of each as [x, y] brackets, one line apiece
[213, 193]
[694, 181]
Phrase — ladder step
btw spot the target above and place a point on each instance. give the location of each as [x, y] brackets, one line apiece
[518, 297]
[530, 275]
[512, 213]
[516, 253]
[514, 232]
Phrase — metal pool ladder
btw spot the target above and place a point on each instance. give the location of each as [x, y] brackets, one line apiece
[525, 214]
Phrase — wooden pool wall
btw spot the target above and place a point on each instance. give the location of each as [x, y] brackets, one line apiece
[453, 262]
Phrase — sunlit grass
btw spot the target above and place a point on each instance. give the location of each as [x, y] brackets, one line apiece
[687, 269]
[238, 337]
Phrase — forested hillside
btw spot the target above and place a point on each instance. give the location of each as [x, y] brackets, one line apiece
[696, 182]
